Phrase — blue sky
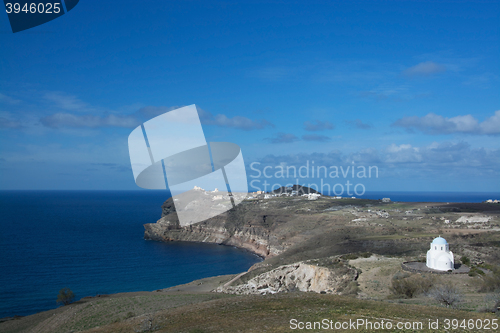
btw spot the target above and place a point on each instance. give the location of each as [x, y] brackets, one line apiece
[410, 87]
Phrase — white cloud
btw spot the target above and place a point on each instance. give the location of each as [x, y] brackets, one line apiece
[436, 124]
[59, 120]
[65, 101]
[64, 119]
[425, 69]
[441, 156]
[239, 122]
[492, 124]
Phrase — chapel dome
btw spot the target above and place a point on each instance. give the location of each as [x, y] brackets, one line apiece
[439, 241]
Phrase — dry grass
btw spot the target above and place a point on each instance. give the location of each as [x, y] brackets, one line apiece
[273, 314]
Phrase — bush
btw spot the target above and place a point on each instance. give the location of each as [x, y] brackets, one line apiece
[353, 256]
[465, 260]
[410, 285]
[446, 294]
[474, 271]
[491, 282]
[350, 256]
[65, 296]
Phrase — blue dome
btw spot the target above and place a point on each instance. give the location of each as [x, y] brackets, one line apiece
[439, 241]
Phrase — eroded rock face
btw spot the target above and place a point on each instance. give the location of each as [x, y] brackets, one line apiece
[301, 276]
[167, 230]
[239, 227]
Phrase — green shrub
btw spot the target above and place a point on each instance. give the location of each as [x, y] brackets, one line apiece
[491, 281]
[465, 260]
[409, 286]
[487, 266]
[65, 296]
[474, 271]
[350, 256]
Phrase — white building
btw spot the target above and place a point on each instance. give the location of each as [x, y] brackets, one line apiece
[439, 257]
[311, 196]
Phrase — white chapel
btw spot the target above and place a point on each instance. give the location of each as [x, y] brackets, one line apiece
[439, 257]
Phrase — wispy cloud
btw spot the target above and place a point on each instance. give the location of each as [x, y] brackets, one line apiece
[318, 125]
[66, 119]
[65, 101]
[207, 118]
[442, 154]
[426, 68]
[238, 122]
[386, 91]
[8, 100]
[440, 157]
[482, 80]
[113, 166]
[318, 138]
[283, 138]
[149, 112]
[59, 120]
[436, 124]
[273, 73]
[357, 123]
[8, 123]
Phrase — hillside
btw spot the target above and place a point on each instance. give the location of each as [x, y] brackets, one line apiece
[326, 258]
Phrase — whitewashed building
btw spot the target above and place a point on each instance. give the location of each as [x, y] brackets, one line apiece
[439, 256]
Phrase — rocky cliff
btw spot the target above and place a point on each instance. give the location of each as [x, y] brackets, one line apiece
[266, 227]
[245, 226]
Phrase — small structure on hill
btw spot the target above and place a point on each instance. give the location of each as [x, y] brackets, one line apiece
[439, 257]
[311, 196]
[473, 219]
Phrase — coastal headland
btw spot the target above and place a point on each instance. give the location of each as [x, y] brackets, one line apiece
[323, 258]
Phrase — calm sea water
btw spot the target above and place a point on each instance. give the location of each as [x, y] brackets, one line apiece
[92, 242]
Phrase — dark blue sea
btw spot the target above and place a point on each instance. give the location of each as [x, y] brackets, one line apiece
[92, 242]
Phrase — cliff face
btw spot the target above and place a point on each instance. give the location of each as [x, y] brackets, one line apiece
[266, 227]
[301, 276]
[244, 227]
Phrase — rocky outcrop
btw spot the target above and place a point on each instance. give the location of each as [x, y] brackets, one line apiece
[301, 276]
[241, 227]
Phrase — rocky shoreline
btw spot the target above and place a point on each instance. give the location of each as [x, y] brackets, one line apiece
[250, 234]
